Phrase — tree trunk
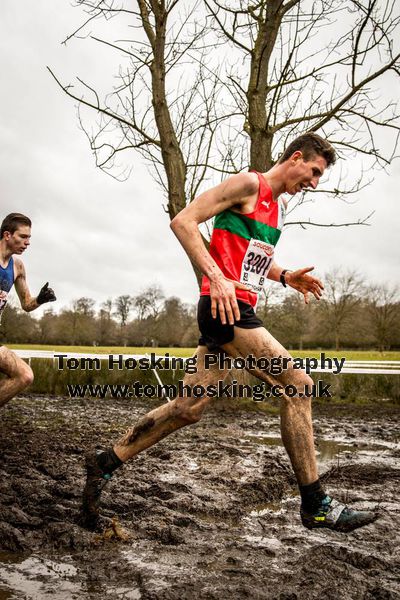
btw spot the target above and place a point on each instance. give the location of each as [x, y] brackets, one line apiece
[174, 164]
[260, 134]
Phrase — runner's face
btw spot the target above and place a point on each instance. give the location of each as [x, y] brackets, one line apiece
[19, 240]
[304, 174]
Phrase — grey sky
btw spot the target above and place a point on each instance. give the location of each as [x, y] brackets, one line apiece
[93, 236]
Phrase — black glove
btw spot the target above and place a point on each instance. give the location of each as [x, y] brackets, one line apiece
[46, 294]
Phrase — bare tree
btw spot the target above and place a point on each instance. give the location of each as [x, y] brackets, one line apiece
[84, 306]
[193, 110]
[160, 108]
[123, 305]
[106, 326]
[342, 296]
[384, 311]
[106, 308]
[149, 302]
[313, 65]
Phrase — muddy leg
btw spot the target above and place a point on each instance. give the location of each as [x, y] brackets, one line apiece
[171, 416]
[296, 422]
[150, 429]
[18, 375]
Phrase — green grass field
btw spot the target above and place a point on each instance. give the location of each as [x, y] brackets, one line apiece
[348, 354]
[105, 349]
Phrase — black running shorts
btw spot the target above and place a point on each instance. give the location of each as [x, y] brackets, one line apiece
[213, 333]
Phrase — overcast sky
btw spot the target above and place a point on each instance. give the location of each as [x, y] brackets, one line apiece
[93, 236]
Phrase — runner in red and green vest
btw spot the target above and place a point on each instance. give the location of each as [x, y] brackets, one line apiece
[243, 244]
[249, 216]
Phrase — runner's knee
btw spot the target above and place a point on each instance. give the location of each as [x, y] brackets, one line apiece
[190, 410]
[25, 376]
[299, 393]
[305, 385]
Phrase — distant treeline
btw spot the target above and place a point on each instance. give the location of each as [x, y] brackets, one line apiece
[350, 315]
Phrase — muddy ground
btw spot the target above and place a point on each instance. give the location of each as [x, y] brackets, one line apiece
[211, 512]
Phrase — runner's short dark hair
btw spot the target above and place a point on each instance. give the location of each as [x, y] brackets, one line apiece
[310, 144]
[12, 222]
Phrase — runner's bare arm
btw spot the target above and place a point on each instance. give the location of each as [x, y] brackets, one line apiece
[298, 280]
[28, 302]
[234, 191]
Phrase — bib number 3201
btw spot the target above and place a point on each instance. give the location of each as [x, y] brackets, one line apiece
[256, 264]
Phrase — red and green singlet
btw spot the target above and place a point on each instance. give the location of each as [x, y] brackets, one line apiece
[243, 245]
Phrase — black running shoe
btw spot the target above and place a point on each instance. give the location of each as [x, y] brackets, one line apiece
[332, 514]
[96, 479]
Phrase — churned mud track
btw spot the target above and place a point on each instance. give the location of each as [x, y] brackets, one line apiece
[209, 513]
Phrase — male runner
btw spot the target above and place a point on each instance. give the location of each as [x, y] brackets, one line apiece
[15, 235]
[249, 215]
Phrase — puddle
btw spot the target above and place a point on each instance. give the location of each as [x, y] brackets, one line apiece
[330, 449]
[36, 578]
[276, 506]
[326, 450]
[125, 593]
[200, 521]
[266, 508]
[260, 541]
[192, 465]
[212, 519]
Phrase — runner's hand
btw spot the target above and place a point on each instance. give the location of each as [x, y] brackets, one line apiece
[46, 294]
[223, 299]
[305, 284]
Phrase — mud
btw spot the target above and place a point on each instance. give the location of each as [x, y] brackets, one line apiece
[144, 425]
[209, 513]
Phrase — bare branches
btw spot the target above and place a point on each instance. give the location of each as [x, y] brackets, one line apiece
[304, 224]
[144, 13]
[300, 94]
[104, 111]
[207, 88]
[222, 26]
[288, 6]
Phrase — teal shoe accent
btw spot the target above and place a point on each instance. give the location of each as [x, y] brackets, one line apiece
[334, 515]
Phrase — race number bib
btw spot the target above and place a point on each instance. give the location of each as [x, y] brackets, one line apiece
[256, 264]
